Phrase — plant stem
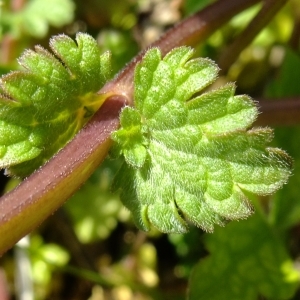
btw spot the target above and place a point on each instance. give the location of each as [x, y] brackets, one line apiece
[263, 17]
[190, 31]
[44, 191]
[283, 111]
[38, 196]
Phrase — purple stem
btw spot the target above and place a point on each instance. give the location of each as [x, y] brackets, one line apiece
[38, 196]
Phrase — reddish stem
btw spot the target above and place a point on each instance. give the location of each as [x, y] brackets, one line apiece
[264, 16]
[44, 191]
[284, 111]
[190, 31]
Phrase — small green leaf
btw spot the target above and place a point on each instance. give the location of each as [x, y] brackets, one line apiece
[190, 157]
[247, 261]
[94, 210]
[131, 137]
[43, 106]
[37, 15]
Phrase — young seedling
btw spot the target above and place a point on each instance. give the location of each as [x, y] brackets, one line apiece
[187, 156]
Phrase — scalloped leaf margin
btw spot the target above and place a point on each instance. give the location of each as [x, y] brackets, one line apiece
[191, 157]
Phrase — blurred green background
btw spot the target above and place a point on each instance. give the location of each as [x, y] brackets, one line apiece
[90, 249]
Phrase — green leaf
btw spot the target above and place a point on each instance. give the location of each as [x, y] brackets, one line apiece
[43, 106]
[131, 137]
[94, 209]
[36, 16]
[190, 157]
[246, 260]
[39, 14]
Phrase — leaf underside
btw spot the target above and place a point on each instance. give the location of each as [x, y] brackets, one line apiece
[44, 105]
[190, 157]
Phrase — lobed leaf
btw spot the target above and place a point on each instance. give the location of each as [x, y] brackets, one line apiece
[43, 106]
[242, 267]
[191, 157]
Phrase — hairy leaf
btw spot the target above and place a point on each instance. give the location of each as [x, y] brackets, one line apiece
[44, 105]
[190, 156]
